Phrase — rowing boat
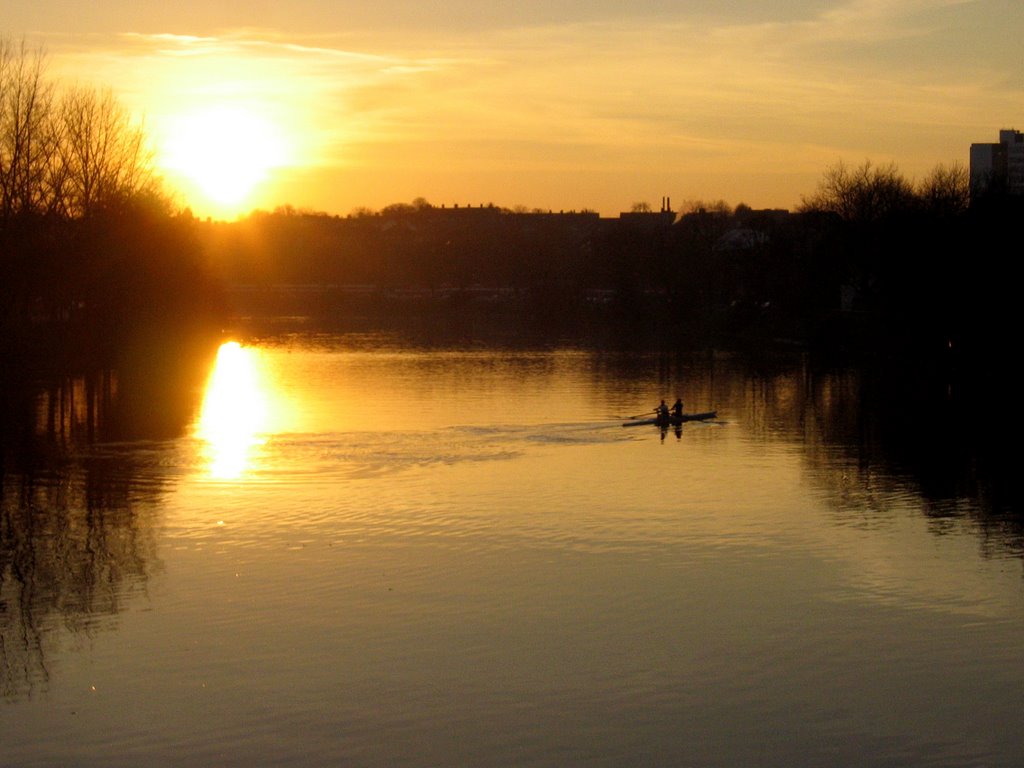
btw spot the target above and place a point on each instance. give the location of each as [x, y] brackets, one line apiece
[671, 421]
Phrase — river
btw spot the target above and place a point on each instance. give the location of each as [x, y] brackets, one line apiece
[348, 549]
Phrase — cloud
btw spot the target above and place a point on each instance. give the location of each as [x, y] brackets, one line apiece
[327, 94]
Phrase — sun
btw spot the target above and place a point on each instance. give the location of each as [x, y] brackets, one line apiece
[222, 154]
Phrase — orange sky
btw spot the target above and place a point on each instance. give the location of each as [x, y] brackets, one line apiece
[560, 104]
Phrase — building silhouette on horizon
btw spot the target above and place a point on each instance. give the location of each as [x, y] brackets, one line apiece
[998, 167]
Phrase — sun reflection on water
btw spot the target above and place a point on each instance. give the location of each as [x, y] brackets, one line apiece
[234, 416]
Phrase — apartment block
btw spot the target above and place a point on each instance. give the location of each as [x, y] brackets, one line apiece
[1000, 166]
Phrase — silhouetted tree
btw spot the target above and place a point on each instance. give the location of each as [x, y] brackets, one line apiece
[27, 136]
[86, 241]
[946, 191]
[862, 195]
[104, 155]
[718, 208]
[903, 250]
[64, 154]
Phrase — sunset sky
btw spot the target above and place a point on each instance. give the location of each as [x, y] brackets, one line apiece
[558, 104]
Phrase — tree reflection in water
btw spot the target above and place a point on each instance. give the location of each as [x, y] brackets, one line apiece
[868, 426]
[869, 430]
[77, 510]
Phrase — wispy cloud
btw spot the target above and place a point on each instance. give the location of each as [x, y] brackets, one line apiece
[326, 94]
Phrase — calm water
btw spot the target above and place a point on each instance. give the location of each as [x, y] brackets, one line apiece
[338, 550]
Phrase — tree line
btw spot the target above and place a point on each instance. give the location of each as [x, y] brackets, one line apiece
[869, 252]
[91, 250]
[924, 261]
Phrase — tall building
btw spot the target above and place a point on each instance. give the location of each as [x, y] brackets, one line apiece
[999, 167]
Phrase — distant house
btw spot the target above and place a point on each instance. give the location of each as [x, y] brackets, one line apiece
[998, 167]
[643, 217]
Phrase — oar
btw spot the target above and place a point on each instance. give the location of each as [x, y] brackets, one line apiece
[640, 415]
